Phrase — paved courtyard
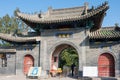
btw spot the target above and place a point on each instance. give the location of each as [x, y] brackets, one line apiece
[22, 77]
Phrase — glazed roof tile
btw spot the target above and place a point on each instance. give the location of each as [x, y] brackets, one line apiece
[105, 33]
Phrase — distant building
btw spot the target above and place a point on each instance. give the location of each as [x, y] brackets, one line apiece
[57, 29]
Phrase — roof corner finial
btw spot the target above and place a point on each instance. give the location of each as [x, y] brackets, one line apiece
[117, 27]
[116, 24]
[49, 9]
[106, 2]
[40, 12]
[86, 7]
[16, 12]
[39, 15]
[92, 8]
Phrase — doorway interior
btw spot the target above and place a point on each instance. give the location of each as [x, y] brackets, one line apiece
[64, 55]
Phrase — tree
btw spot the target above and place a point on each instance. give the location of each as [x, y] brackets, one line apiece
[12, 25]
[68, 56]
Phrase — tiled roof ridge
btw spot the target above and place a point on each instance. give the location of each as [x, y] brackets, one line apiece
[68, 8]
[106, 33]
[109, 28]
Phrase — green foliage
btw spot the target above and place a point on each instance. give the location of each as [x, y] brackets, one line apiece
[3, 43]
[12, 25]
[8, 24]
[68, 56]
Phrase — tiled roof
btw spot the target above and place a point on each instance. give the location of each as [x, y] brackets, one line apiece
[10, 38]
[106, 33]
[62, 15]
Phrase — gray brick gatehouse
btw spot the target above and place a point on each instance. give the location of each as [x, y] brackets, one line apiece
[57, 29]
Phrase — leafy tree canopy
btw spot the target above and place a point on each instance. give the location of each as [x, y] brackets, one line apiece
[12, 25]
[68, 56]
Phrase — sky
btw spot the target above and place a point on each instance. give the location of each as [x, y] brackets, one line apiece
[32, 6]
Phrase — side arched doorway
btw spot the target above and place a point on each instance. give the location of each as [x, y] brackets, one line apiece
[69, 52]
[28, 62]
[106, 65]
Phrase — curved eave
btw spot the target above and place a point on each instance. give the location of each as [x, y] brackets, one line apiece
[50, 20]
[7, 50]
[8, 38]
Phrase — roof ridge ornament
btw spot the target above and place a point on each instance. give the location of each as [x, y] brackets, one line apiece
[39, 15]
[49, 10]
[117, 28]
[86, 7]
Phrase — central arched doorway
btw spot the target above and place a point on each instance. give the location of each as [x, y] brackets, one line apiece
[64, 55]
[106, 65]
[67, 57]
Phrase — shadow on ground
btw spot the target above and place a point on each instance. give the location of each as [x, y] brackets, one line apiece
[107, 78]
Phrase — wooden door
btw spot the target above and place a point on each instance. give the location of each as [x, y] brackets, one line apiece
[28, 62]
[106, 66]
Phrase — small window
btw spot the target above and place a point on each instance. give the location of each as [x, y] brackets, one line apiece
[4, 60]
[55, 59]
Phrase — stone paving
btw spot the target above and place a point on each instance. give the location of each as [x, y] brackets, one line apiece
[22, 77]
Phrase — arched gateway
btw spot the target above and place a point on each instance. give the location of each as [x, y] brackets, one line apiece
[58, 29]
[106, 65]
[55, 58]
